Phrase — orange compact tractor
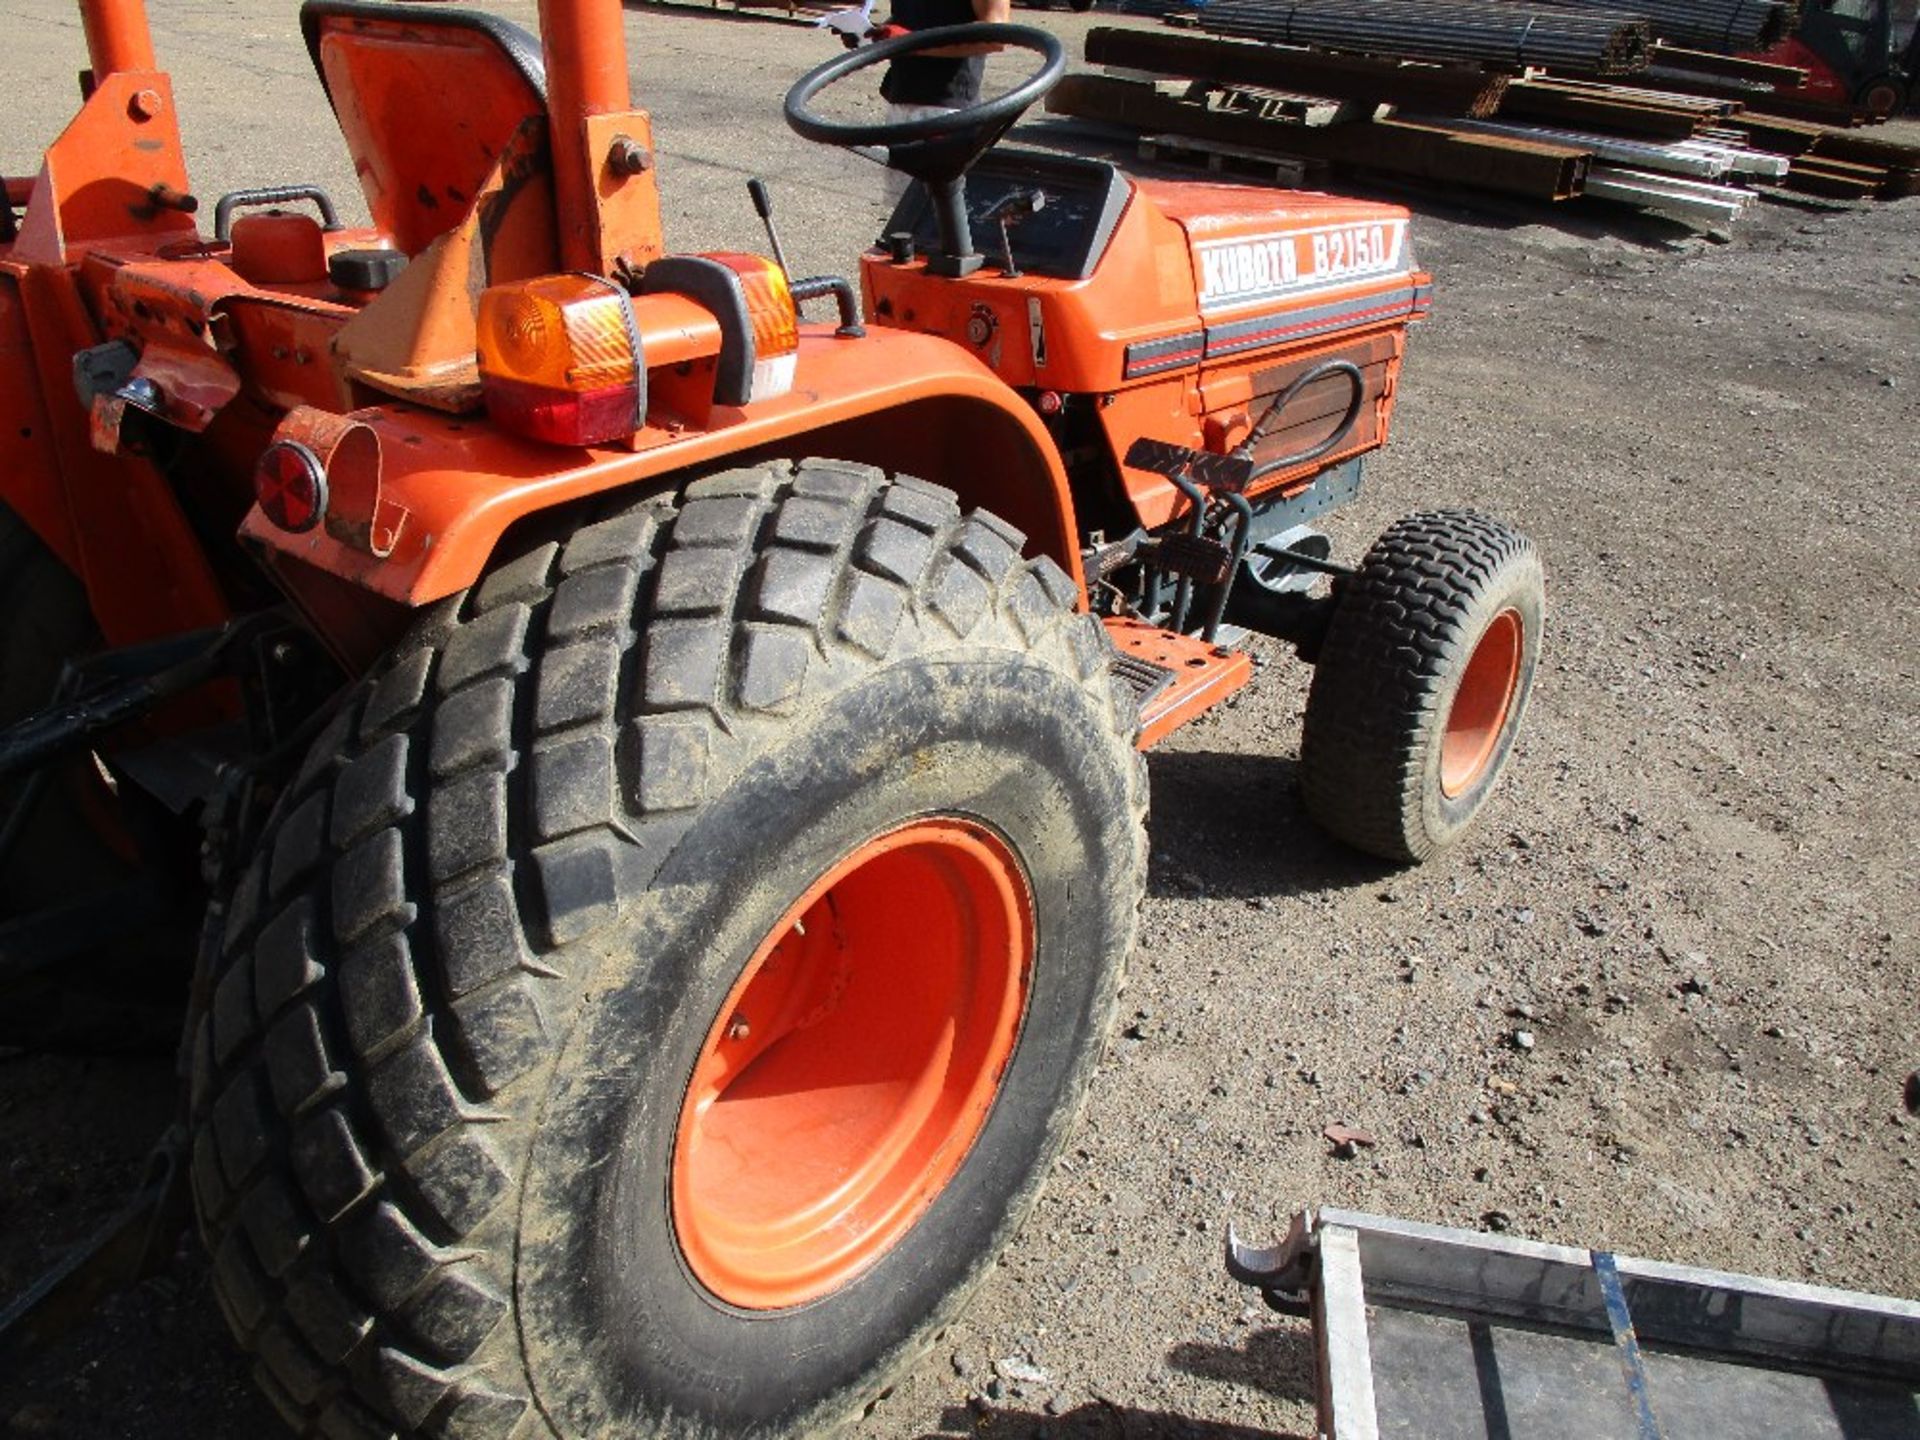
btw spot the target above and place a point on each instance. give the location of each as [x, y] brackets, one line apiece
[665, 871]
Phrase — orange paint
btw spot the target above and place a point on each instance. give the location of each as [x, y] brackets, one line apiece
[464, 482]
[1481, 704]
[586, 50]
[1203, 674]
[1223, 283]
[1204, 303]
[117, 36]
[853, 1064]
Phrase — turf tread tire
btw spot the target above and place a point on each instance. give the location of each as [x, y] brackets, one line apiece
[399, 960]
[1404, 624]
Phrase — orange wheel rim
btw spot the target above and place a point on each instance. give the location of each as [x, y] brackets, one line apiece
[853, 1065]
[1482, 704]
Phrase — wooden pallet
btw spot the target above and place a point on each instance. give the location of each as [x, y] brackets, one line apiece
[1286, 171]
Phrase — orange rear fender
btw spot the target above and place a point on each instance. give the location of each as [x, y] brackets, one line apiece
[451, 485]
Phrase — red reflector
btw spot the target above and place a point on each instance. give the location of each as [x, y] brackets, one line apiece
[291, 486]
[1049, 402]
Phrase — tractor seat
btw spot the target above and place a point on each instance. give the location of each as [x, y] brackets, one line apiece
[427, 98]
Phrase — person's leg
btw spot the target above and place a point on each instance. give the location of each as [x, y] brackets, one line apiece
[896, 183]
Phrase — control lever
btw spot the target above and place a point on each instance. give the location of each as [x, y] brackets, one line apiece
[763, 207]
[1010, 209]
[805, 290]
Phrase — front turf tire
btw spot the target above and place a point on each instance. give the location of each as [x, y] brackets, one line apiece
[500, 919]
[1422, 683]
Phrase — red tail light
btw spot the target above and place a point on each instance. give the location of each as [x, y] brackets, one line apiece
[560, 360]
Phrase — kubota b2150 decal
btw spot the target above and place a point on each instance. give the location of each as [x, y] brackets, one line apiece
[1261, 268]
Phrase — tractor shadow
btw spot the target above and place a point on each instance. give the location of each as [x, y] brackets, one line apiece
[1279, 1361]
[1095, 1420]
[1230, 825]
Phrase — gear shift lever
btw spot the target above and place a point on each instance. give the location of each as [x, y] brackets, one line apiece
[1010, 209]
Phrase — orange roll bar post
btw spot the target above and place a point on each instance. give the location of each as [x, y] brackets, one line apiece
[586, 51]
[117, 36]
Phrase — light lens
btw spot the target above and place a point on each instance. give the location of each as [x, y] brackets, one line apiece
[560, 359]
[776, 322]
[529, 335]
[291, 485]
[562, 417]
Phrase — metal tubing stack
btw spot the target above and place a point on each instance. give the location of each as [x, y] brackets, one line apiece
[1731, 27]
[1472, 31]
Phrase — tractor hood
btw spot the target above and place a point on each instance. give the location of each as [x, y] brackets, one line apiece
[1258, 248]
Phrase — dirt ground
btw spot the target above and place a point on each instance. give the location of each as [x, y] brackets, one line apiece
[1662, 1001]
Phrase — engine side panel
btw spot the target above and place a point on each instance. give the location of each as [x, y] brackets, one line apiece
[1182, 312]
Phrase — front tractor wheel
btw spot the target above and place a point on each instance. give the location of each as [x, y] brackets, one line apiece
[662, 994]
[1422, 682]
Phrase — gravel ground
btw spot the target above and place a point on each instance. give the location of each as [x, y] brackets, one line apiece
[1662, 1001]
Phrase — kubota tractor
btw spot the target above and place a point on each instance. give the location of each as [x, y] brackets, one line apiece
[666, 872]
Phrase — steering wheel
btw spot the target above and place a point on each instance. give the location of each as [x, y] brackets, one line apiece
[936, 149]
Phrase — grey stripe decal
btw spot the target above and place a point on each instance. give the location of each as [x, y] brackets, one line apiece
[1170, 352]
[1279, 326]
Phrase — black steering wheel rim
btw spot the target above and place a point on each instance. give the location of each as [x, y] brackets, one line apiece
[1001, 110]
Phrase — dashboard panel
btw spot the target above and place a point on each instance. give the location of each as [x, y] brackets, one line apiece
[1063, 240]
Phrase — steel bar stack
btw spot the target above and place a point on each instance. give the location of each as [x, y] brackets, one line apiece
[1417, 149]
[1738, 68]
[1472, 31]
[1429, 89]
[1653, 114]
[1732, 27]
[1838, 164]
[1435, 92]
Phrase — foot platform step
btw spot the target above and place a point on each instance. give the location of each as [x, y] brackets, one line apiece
[1174, 677]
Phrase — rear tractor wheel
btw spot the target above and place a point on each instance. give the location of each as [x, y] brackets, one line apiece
[1422, 681]
[664, 992]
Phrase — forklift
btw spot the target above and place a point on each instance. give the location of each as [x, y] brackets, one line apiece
[1862, 56]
